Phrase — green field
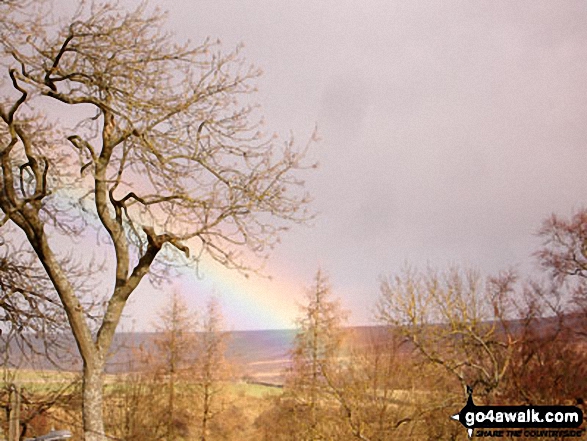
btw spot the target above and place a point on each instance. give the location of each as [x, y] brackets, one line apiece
[253, 390]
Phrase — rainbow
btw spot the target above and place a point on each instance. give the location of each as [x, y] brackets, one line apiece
[255, 302]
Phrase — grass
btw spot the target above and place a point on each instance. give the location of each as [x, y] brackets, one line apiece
[254, 390]
[37, 379]
[45, 381]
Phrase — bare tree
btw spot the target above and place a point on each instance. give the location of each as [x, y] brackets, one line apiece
[550, 360]
[211, 367]
[32, 335]
[455, 320]
[564, 251]
[31, 319]
[158, 153]
[563, 256]
[136, 402]
[374, 386]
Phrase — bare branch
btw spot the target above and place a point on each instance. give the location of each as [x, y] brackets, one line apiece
[172, 153]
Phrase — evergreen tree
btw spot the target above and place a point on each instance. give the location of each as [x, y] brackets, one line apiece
[211, 368]
[315, 356]
[176, 346]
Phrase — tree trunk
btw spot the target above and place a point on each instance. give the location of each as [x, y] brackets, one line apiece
[14, 412]
[93, 381]
[206, 411]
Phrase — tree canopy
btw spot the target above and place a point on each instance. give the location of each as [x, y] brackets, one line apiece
[109, 126]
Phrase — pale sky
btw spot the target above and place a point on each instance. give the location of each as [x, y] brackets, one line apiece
[449, 131]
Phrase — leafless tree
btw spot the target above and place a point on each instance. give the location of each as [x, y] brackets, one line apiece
[30, 317]
[563, 256]
[564, 251]
[373, 386]
[32, 334]
[211, 370]
[455, 320]
[550, 360]
[109, 128]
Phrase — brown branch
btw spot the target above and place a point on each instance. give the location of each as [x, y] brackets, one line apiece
[19, 102]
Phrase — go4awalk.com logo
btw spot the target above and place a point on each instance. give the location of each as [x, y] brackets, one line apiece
[520, 421]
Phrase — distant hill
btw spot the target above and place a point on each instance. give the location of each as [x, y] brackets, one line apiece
[257, 355]
[261, 356]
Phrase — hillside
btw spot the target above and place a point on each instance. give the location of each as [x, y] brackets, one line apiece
[260, 356]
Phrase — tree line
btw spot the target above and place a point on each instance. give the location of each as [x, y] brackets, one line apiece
[514, 342]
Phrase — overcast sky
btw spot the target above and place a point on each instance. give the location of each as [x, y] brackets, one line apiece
[449, 131]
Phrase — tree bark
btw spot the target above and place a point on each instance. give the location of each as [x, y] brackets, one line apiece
[93, 382]
[190, 189]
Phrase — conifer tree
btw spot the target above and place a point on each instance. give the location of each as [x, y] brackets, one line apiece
[315, 354]
[176, 347]
[211, 368]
